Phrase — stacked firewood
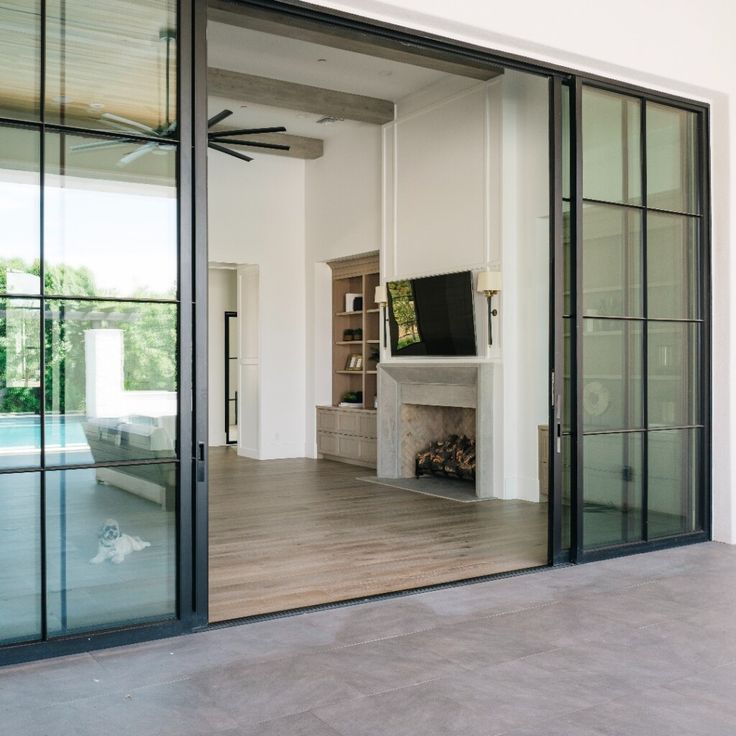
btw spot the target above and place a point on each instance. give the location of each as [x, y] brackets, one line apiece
[453, 457]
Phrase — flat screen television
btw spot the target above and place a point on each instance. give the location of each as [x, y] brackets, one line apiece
[432, 315]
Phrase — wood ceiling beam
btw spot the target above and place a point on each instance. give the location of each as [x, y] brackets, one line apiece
[299, 146]
[302, 29]
[302, 97]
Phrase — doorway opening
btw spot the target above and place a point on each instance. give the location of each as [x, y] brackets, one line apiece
[393, 338]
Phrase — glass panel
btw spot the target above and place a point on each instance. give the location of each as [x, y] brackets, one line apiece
[111, 222]
[674, 469]
[612, 374]
[109, 60]
[611, 261]
[20, 59]
[613, 483]
[111, 546]
[20, 557]
[20, 383]
[672, 266]
[611, 147]
[672, 144]
[19, 210]
[568, 258]
[567, 482]
[565, 141]
[568, 373]
[110, 381]
[674, 375]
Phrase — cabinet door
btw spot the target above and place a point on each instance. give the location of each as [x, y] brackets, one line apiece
[327, 443]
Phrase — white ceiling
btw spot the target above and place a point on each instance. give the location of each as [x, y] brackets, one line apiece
[278, 57]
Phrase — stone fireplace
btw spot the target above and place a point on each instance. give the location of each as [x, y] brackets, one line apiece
[423, 403]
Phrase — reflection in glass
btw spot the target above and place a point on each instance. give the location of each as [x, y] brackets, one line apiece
[110, 381]
[613, 489]
[672, 266]
[20, 58]
[110, 62]
[111, 546]
[568, 259]
[565, 89]
[674, 468]
[19, 209]
[611, 147]
[20, 382]
[567, 484]
[674, 375]
[612, 374]
[20, 557]
[611, 261]
[110, 228]
[672, 142]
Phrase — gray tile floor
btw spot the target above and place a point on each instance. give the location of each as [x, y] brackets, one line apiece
[641, 645]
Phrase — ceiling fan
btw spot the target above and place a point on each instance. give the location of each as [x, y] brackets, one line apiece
[215, 139]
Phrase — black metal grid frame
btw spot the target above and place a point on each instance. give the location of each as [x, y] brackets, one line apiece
[186, 617]
[579, 552]
[192, 506]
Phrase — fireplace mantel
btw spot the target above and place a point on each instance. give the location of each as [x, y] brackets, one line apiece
[467, 385]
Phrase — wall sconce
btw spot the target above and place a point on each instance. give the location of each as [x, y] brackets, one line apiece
[489, 283]
[380, 297]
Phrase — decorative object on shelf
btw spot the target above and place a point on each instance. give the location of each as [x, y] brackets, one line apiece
[353, 302]
[489, 284]
[596, 398]
[375, 355]
[380, 297]
[348, 335]
[358, 334]
[352, 398]
[354, 362]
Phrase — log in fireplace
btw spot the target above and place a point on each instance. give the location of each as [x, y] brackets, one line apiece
[452, 457]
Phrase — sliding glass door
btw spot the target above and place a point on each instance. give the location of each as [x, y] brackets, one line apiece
[90, 321]
[637, 309]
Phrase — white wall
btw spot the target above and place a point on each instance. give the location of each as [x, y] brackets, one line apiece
[673, 46]
[257, 217]
[524, 303]
[222, 298]
[343, 217]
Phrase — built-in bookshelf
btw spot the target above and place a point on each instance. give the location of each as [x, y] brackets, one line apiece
[355, 331]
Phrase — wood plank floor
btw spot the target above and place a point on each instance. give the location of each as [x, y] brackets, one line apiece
[291, 533]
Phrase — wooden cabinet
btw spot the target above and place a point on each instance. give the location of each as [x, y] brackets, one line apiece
[355, 332]
[348, 435]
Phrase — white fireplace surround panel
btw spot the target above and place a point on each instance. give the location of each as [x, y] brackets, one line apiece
[457, 385]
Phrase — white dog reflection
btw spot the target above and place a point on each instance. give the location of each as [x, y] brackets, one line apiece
[115, 546]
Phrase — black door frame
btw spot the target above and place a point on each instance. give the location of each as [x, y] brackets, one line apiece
[578, 553]
[193, 548]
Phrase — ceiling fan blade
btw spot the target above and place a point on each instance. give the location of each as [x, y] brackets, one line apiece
[100, 144]
[135, 155]
[250, 131]
[254, 144]
[222, 149]
[131, 123]
[219, 117]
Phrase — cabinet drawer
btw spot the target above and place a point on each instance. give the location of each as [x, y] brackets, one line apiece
[368, 425]
[348, 422]
[368, 451]
[326, 420]
[327, 443]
